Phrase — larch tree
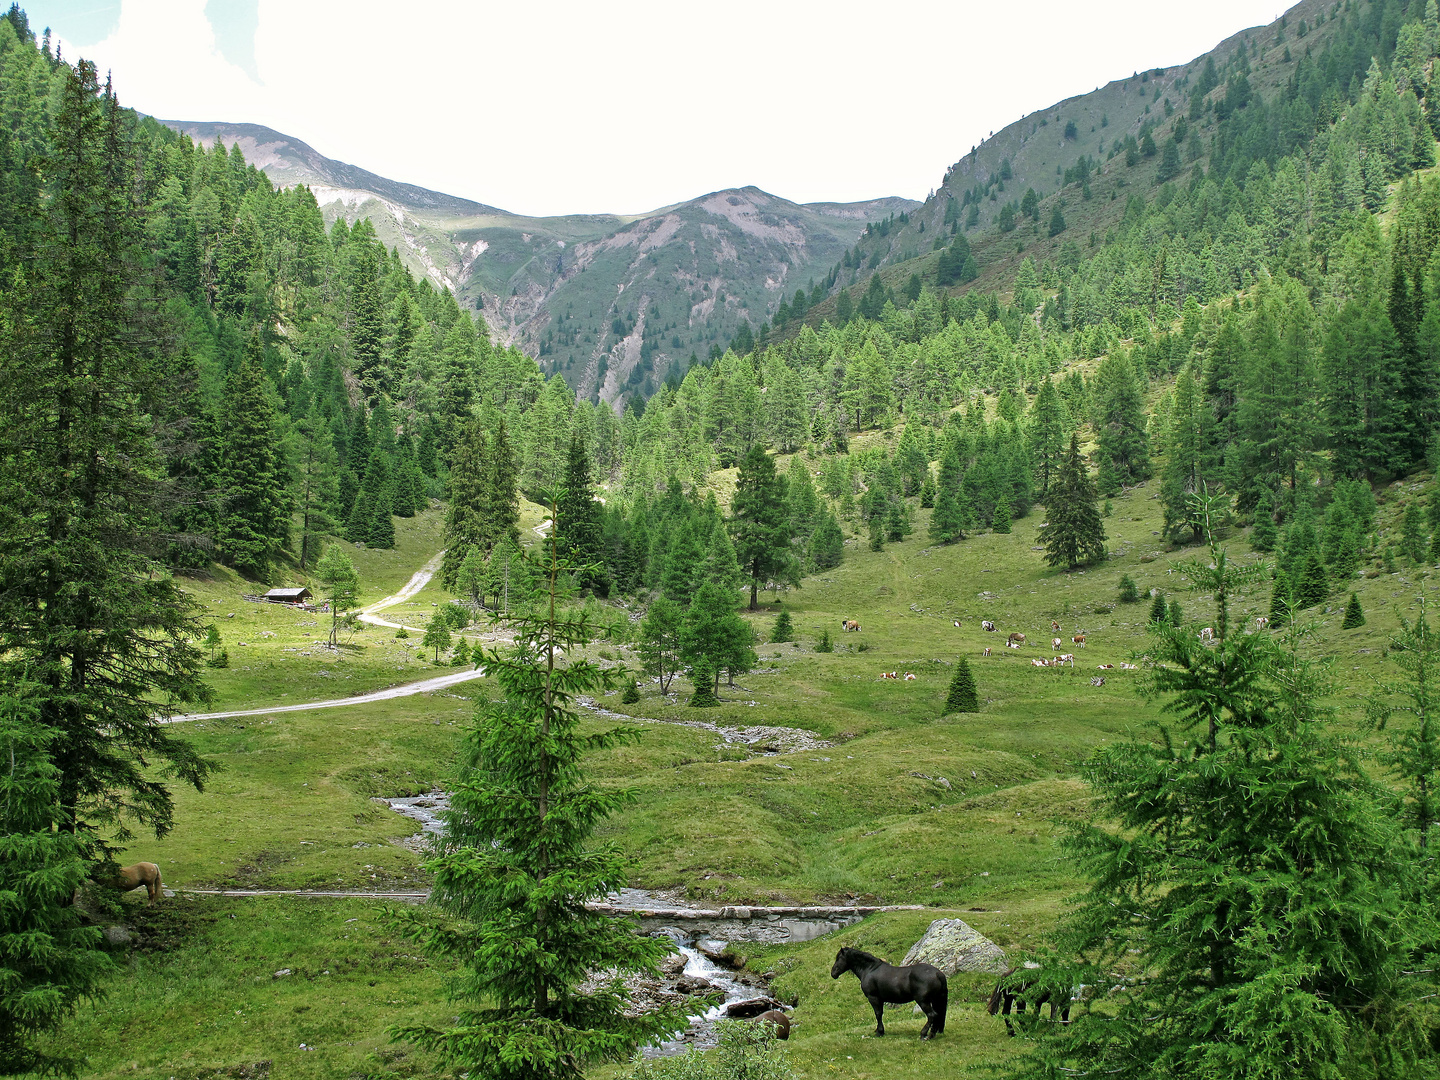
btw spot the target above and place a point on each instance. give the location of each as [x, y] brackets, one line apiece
[342, 585]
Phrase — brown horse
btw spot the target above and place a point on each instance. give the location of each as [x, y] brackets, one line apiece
[776, 1021]
[128, 878]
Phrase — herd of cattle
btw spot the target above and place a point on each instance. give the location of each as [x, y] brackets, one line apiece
[1016, 640]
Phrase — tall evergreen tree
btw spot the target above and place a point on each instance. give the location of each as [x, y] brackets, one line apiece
[760, 522]
[317, 487]
[342, 585]
[1124, 444]
[517, 864]
[253, 522]
[85, 612]
[467, 526]
[1074, 533]
[578, 529]
[1047, 434]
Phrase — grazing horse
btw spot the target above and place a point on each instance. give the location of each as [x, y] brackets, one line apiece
[1010, 992]
[850, 624]
[987, 626]
[881, 983]
[128, 878]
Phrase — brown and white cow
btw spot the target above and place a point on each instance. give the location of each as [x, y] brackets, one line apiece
[850, 624]
[987, 626]
[1055, 644]
[987, 651]
[1079, 639]
[1016, 639]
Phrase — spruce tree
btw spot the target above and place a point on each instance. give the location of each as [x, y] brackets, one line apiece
[1281, 598]
[1251, 969]
[517, 866]
[784, 629]
[317, 489]
[1129, 594]
[1314, 585]
[1406, 710]
[1000, 523]
[703, 676]
[1158, 608]
[253, 520]
[631, 694]
[1074, 533]
[825, 644]
[85, 611]
[827, 544]
[962, 696]
[1353, 615]
[52, 959]
[1413, 541]
[578, 528]
[460, 656]
[1264, 533]
[501, 505]
[947, 523]
[760, 522]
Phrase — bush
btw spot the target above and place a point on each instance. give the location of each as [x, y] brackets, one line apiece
[825, 644]
[1129, 594]
[402, 633]
[631, 694]
[219, 660]
[784, 629]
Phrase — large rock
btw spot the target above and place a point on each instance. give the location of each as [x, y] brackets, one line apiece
[952, 945]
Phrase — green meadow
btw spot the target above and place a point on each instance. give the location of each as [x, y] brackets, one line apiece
[958, 813]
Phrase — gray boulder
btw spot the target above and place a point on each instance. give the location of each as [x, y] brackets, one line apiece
[954, 946]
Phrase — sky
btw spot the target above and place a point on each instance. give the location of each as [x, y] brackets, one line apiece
[545, 108]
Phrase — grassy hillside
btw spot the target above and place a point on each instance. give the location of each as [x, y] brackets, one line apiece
[960, 813]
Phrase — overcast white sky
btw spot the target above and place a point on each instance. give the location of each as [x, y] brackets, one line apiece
[566, 107]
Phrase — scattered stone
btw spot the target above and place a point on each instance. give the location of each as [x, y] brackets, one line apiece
[118, 935]
[952, 945]
[281, 973]
[747, 1010]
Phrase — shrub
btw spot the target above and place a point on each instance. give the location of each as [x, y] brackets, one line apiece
[746, 1051]
[631, 694]
[219, 660]
[825, 644]
[1129, 594]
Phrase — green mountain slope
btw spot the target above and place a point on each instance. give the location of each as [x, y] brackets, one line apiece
[615, 304]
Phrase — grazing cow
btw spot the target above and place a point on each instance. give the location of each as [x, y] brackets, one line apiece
[1078, 639]
[1106, 667]
[1066, 658]
[1261, 622]
[850, 624]
[1098, 680]
[1207, 635]
[987, 650]
[1054, 626]
[987, 626]
[1055, 644]
[1015, 639]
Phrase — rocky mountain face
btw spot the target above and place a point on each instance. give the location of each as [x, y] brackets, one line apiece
[615, 304]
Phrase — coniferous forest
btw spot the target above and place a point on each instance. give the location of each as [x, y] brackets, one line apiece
[1225, 323]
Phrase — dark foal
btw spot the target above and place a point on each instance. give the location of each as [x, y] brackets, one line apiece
[1017, 994]
[883, 984]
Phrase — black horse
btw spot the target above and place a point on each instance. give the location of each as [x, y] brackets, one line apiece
[1009, 991]
[883, 983]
